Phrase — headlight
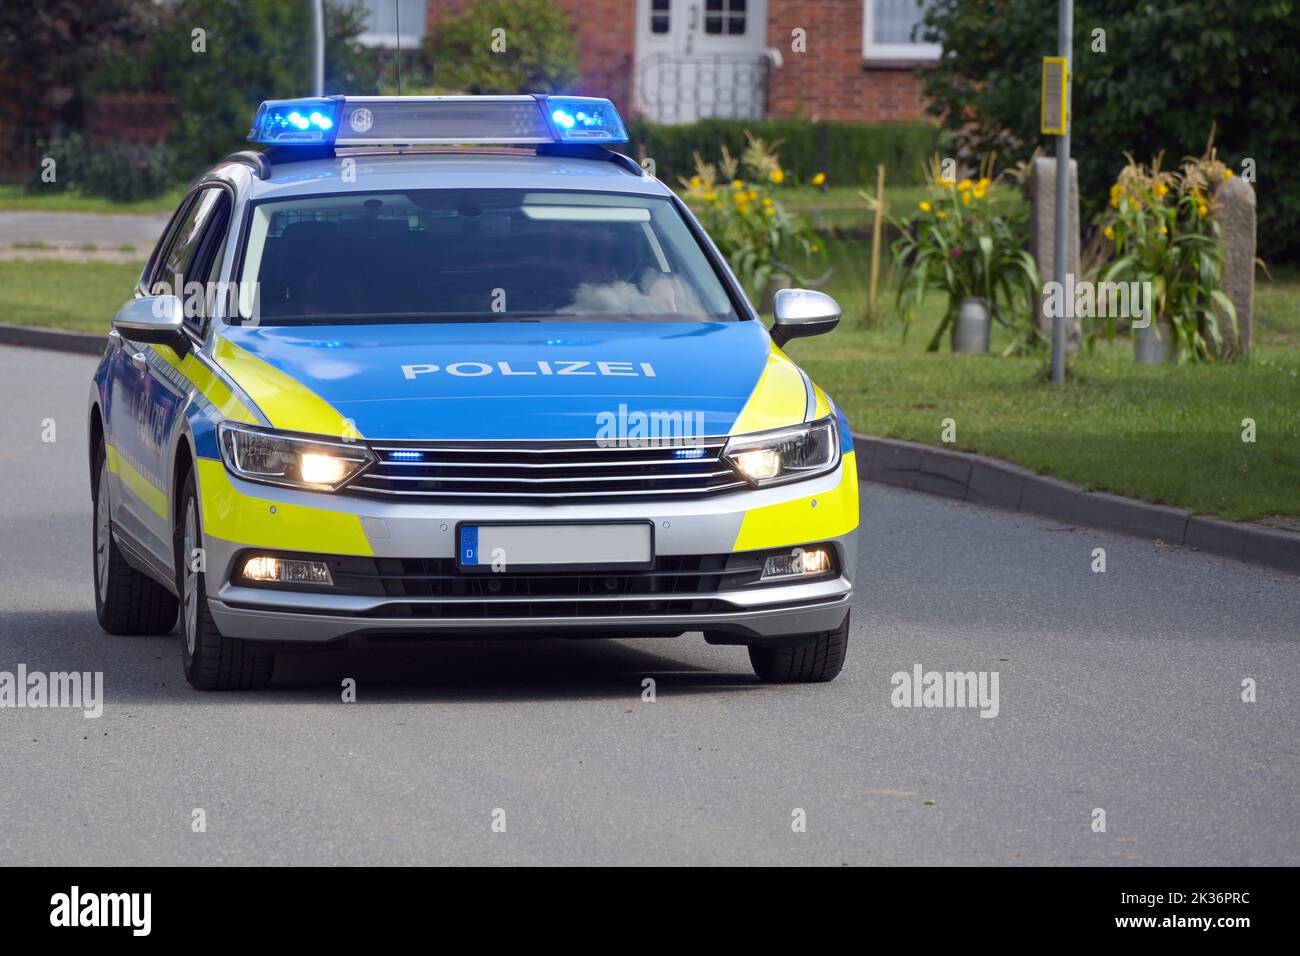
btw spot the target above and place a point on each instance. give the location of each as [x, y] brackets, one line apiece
[299, 462]
[785, 454]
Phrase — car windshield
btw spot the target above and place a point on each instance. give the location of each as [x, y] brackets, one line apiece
[489, 255]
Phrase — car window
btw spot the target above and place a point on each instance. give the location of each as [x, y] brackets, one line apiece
[488, 255]
[174, 264]
[205, 265]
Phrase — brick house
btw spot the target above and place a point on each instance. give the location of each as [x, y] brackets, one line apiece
[680, 60]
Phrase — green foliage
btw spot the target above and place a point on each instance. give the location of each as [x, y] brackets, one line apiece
[965, 246]
[854, 148]
[254, 50]
[122, 172]
[1162, 233]
[540, 52]
[1170, 70]
[743, 217]
[47, 50]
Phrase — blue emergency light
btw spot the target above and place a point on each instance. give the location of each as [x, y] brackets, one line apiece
[417, 120]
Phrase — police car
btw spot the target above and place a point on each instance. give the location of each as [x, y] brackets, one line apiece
[453, 367]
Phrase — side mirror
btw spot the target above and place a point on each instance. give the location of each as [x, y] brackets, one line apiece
[801, 312]
[157, 319]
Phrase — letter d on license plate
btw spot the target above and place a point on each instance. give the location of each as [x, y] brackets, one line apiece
[627, 545]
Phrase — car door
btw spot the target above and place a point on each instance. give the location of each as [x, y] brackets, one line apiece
[148, 390]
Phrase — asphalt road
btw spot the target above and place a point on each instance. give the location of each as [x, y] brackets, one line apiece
[1118, 691]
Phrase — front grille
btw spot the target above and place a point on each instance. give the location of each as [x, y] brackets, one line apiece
[531, 471]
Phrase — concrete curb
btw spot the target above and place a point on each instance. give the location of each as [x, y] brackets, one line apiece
[1000, 484]
[86, 343]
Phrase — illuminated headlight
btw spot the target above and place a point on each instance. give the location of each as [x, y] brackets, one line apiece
[798, 562]
[268, 570]
[785, 454]
[299, 462]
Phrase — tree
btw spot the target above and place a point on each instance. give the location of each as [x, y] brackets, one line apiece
[1156, 79]
[505, 46]
[221, 58]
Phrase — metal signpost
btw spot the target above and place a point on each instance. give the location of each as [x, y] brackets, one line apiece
[1057, 72]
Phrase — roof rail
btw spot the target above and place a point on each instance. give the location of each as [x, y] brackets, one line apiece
[258, 162]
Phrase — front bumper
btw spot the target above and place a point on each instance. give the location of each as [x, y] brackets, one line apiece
[241, 515]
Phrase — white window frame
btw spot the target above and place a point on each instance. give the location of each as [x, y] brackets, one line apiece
[893, 51]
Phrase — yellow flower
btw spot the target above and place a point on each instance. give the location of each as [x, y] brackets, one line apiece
[778, 176]
[696, 182]
[965, 199]
[769, 211]
[1202, 210]
[984, 183]
[941, 214]
[1162, 189]
[710, 196]
[925, 206]
[1114, 202]
[1227, 173]
[767, 200]
[980, 189]
[1109, 232]
[819, 179]
[737, 184]
[753, 194]
[964, 185]
[1164, 230]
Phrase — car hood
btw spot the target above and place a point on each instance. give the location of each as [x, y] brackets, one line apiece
[512, 380]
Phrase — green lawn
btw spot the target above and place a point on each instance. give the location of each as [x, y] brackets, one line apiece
[1169, 434]
[67, 295]
[13, 197]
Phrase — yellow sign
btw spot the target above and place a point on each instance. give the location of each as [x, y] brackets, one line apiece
[1056, 82]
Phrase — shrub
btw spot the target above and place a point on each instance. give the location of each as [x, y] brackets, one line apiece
[540, 54]
[67, 153]
[854, 149]
[1161, 232]
[743, 217]
[127, 171]
[963, 245]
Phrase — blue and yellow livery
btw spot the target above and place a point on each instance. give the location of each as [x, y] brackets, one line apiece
[378, 380]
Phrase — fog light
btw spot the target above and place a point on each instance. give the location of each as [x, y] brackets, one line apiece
[286, 571]
[798, 562]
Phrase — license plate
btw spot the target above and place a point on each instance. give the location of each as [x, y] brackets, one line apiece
[553, 547]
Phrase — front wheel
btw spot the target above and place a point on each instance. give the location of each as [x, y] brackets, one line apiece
[126, 601]
[814, 657]
[212, 661]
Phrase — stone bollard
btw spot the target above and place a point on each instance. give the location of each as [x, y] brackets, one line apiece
[1042, 223]
[1234, 210]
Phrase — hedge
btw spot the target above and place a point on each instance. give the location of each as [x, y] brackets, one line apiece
[854, 148]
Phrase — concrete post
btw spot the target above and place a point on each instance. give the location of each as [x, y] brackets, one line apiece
[1042, 224]
[1234, 210]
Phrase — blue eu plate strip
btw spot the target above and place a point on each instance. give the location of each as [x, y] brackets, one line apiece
[469, 544]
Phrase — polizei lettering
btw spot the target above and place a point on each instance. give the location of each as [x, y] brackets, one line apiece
[540, 367]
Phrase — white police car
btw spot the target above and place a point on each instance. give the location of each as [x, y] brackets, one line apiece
[448, 366]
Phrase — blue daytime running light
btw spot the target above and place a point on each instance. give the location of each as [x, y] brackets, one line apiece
[306, 122]
[406, 456]
[689, 453]
[584, 119]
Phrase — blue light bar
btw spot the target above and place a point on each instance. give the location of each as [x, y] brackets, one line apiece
[307, 122]
[584, 119]
[414, 120]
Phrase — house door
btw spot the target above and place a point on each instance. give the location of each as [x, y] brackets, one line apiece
[701, 58]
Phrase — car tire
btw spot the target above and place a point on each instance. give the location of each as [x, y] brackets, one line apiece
[817, 657]
[126, 600]
[211, 660]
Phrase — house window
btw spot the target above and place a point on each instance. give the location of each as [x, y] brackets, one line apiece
[724, 16]
[660, 16]
[887, 31]
[385, 17]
